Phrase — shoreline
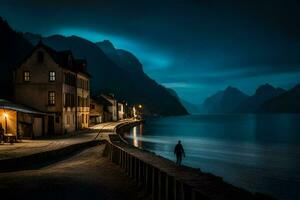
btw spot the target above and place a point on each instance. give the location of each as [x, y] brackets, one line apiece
[159, 176]
[187, 181]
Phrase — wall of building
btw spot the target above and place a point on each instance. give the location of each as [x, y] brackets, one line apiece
[34, 93]
[96, 112]
[69, 104]
[83, 101]
[121, 111]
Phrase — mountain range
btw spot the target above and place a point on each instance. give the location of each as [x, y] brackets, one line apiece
[266, 99]
[287, 102]
[224, 101]
[113, 71]
[119, 72]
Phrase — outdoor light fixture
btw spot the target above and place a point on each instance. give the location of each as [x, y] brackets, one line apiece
[5, 117]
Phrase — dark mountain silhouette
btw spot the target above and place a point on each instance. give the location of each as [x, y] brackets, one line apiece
[14, 48]
[110, 76]
[224, 101]
[122, 58]
[191, 108]
[288, 102]
[263, 93]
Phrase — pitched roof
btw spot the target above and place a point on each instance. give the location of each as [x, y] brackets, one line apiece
[80, 66]
[101, 100]
[62, 58]
[4, 104]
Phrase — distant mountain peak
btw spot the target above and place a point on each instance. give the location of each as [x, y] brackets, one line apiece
[107, 42]
[106, 46]
[296, 88]
[286, 102]
[231, 89]
[57, 36]
[124, 59]
[267, 88]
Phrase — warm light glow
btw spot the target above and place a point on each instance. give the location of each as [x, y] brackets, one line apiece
[5, 115]
[134, 133]
[140, 106]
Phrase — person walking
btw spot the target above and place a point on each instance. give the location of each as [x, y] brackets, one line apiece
[179, 152]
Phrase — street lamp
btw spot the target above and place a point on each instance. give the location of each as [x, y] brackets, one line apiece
[5, 118]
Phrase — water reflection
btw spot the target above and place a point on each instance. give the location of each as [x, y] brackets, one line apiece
[134, 137]
[136, 133]
[257, 152]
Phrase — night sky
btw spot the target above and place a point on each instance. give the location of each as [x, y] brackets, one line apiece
[194, 47]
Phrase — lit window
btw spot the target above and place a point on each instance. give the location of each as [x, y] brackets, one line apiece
[51, 98]
[51, 76]
[82, 118]
[26, 76]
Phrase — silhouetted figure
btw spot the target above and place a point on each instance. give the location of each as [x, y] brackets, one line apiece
[179, 152]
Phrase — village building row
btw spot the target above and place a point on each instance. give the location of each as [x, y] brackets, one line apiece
[52, 96]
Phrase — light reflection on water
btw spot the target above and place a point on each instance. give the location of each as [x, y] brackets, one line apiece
[260, 153]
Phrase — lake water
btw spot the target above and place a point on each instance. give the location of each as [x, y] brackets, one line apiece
[258, 152]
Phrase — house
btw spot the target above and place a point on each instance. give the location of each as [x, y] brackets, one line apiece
[113, 109]
[122, 110]
[99, 110]
[55, 83]
[20, 121]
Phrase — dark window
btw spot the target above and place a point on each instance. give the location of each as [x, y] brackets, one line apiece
[52, 76]
[26, 76]
[72, 100]
[51, 98]
[82, 118]
[92, 106]
[70, 79]
[78, 101]
[68, 119]
[40, 56]
[67, 100]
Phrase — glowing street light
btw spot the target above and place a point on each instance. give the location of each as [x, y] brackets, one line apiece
[5, 118]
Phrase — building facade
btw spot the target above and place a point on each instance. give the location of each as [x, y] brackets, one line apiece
[99, 110]
[57, 84]
[113, 109]
[121, 110]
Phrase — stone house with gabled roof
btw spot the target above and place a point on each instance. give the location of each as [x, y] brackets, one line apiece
[56, 83]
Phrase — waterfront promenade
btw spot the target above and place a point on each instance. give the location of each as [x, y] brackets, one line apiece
[29, 147]
[108, 168]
